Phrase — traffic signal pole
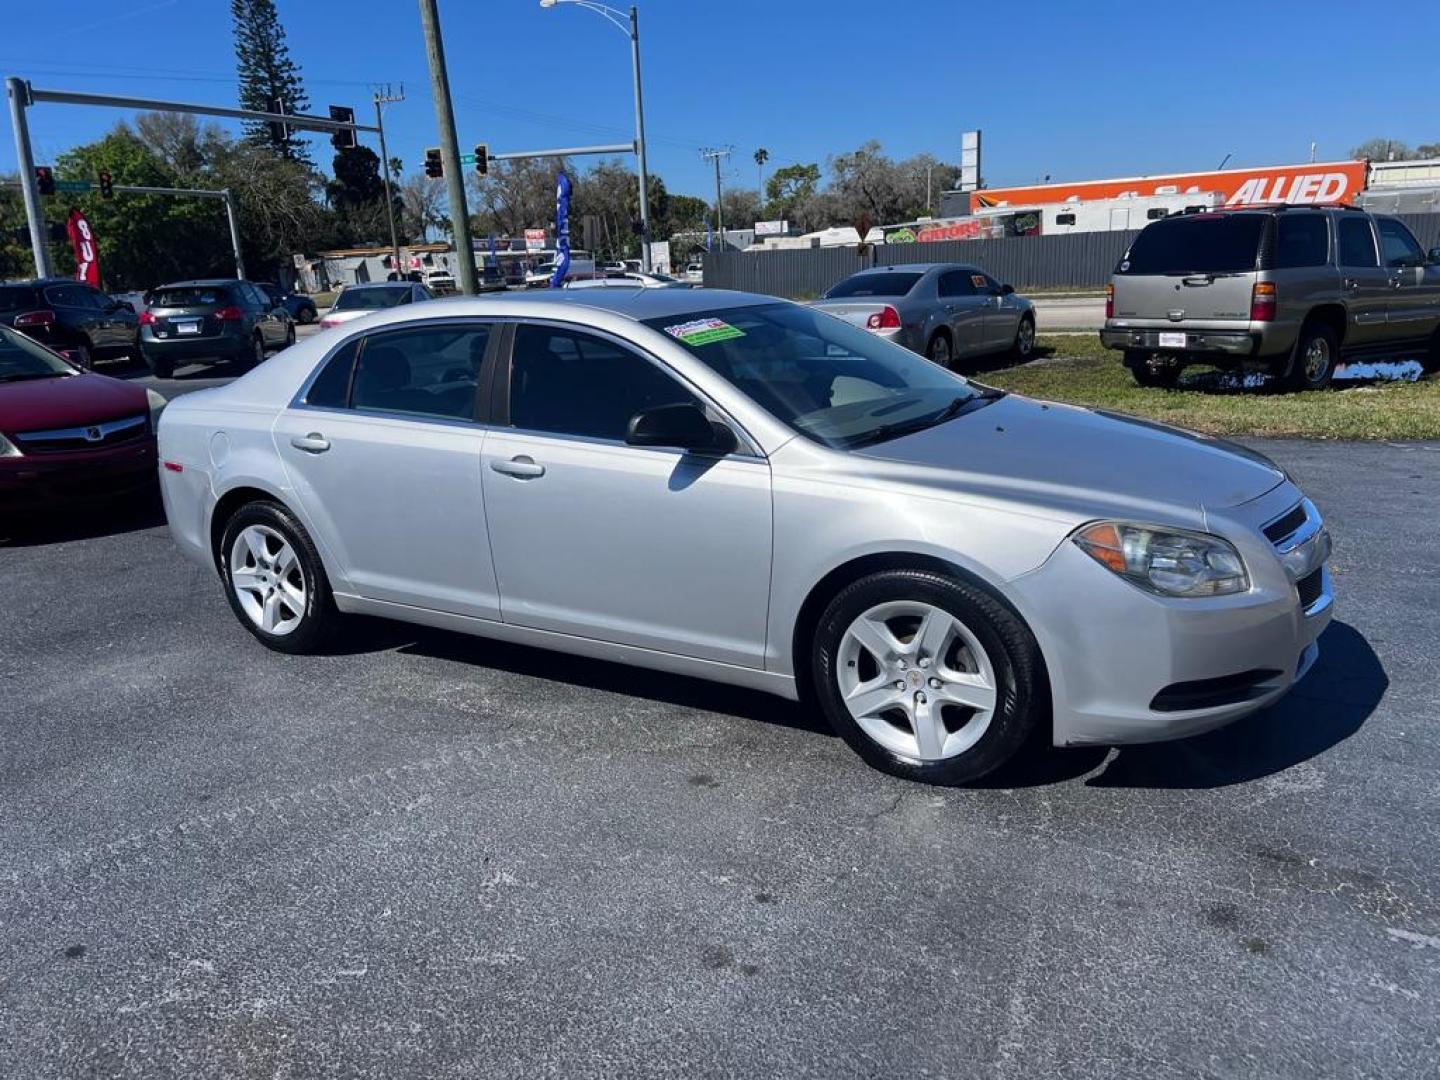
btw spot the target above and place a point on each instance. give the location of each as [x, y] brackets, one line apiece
[19, 95]
[449, 147]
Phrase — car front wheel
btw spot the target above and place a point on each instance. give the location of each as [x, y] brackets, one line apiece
[927, 677]
[274, 579]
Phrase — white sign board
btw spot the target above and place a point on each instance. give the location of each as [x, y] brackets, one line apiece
[772, 228]
[970, 161]
[534, 239]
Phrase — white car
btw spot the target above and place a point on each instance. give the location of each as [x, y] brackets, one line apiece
[628, 280]
[357, 300]
[695, 273]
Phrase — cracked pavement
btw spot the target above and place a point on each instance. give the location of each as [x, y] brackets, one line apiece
[433, 856]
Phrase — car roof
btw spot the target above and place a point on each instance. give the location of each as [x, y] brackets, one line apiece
[382, 285]
[635, 303]
[917, 268]
[40, 283]
[197, 281]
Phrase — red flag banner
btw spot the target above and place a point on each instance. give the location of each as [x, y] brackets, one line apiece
[87, 260]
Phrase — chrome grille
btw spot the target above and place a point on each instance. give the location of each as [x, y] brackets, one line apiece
[88, 437]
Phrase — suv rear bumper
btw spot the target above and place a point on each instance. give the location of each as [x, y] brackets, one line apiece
[1237, 343]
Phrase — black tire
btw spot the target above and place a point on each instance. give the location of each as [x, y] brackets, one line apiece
[1012, 652]
[84, 357]
[1023, 347]
[289, 335]
[319, 619]
[940, 349]
[307, 315]
[1149, 374]
[1431, 361]
[162, 367]
[254, 355]
[1313, 370]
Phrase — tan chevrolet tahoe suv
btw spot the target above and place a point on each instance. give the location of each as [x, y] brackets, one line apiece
[1287, 290]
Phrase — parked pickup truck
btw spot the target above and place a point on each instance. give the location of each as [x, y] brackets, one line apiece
[1287, 290]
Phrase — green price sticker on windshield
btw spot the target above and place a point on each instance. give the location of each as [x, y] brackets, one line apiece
[704, 331]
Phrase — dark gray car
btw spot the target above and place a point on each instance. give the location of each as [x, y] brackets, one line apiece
[1287, 290]
[190, 322]
[945, 311]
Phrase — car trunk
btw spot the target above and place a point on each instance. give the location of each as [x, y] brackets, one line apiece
[1197, 269]
[185, 314]
[856, 311]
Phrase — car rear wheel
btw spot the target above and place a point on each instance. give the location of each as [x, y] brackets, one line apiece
[289, 334]
[307, 315]
[256, 354]
[1431, 363]
[939, 350]
[1024, 345]
[1315, 357]
[83, 357]
[927, 677]
[274, 579]
[1149, 373]
[161, 367]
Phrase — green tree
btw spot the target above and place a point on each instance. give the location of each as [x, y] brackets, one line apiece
[789, 188]
[262, 61]
[1383, 150]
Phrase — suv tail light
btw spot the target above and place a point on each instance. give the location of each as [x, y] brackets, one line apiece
[1109, 301]
[229, 313]
[35, 318]
[885, 319]
[147, 319]
[1262, 302]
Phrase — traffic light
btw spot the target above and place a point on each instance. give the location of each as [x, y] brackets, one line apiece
[45, 179]
[344, 139]
[433, 165]
[107, 185]
[57, 232]
[482, 158]
[279, 130]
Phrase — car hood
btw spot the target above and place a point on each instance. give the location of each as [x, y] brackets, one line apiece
[68, 401]
[335, 318]
[1073, 456]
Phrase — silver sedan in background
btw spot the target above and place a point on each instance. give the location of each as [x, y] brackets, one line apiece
[749, 491]
[944, 311]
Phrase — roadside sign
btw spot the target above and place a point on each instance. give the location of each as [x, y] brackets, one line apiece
[534, 239]
[73, 187]
[467, 159]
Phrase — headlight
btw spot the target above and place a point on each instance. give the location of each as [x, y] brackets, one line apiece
[1170, 563]
[157, 405]
[8, 448]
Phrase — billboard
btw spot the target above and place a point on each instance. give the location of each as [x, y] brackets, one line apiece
[772, 228]
[1332, 182]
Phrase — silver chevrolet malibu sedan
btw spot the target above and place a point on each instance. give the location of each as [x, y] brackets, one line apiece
[751, 491]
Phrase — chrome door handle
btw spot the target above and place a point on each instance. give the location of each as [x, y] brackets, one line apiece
[1352, 285]
[522, 467]
[314, 443]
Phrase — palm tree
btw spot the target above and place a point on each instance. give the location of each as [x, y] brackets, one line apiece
[761, 157]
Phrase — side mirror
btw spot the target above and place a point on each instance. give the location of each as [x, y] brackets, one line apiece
[125, 305]
[1007, 290]
[683, 426]
[1435, 256]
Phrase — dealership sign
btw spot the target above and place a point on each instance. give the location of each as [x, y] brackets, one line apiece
[82, 240]
[534, 239]
[772, 228]
[1333, 182]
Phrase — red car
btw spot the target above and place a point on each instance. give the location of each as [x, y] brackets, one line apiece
[68, 434]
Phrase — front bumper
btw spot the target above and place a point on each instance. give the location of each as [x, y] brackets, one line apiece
[56, 479]
[1237, 343]
[1127, 666]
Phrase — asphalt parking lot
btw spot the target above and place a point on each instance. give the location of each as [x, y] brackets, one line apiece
[426, 855]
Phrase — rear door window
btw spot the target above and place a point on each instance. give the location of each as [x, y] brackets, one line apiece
[956, 283]
[1398, 245]
[1356, 242]
[1301, 240]
[422, 370]
[1202, 244]
[71, 296]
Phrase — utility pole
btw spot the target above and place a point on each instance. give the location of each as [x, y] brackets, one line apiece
[19, 94]
[449, 147]
[640, 141]
[384, 96]
[715, 154]
[234, 232]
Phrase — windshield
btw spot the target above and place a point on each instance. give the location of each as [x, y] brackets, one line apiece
[829, 381]
[370, 297]
[1197, 244]
[189, 296]
[870, 284]
[21, 358]
[17, 296]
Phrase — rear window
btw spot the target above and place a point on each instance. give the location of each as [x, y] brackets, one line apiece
[189, 296]
[882, 284]
[369, 298]
[1202, 244]
[17, 296]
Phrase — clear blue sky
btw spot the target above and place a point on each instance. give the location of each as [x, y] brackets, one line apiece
[1073, 90]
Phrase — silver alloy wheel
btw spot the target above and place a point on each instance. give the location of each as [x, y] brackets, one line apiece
[1025, 337]
[940, 350]
[259, 349]
[268, 580]
[916, 680]
[1317, 359]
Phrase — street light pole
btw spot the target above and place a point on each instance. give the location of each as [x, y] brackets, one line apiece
[632, 29]
[449, 147]
[640, 141]
[383, 98]
[34, 211]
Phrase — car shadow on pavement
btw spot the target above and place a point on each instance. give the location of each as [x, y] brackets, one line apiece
[36, 528]
[1325, 708]
[379, 635]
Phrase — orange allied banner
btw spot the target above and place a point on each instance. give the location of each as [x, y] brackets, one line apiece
[1313, 182]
